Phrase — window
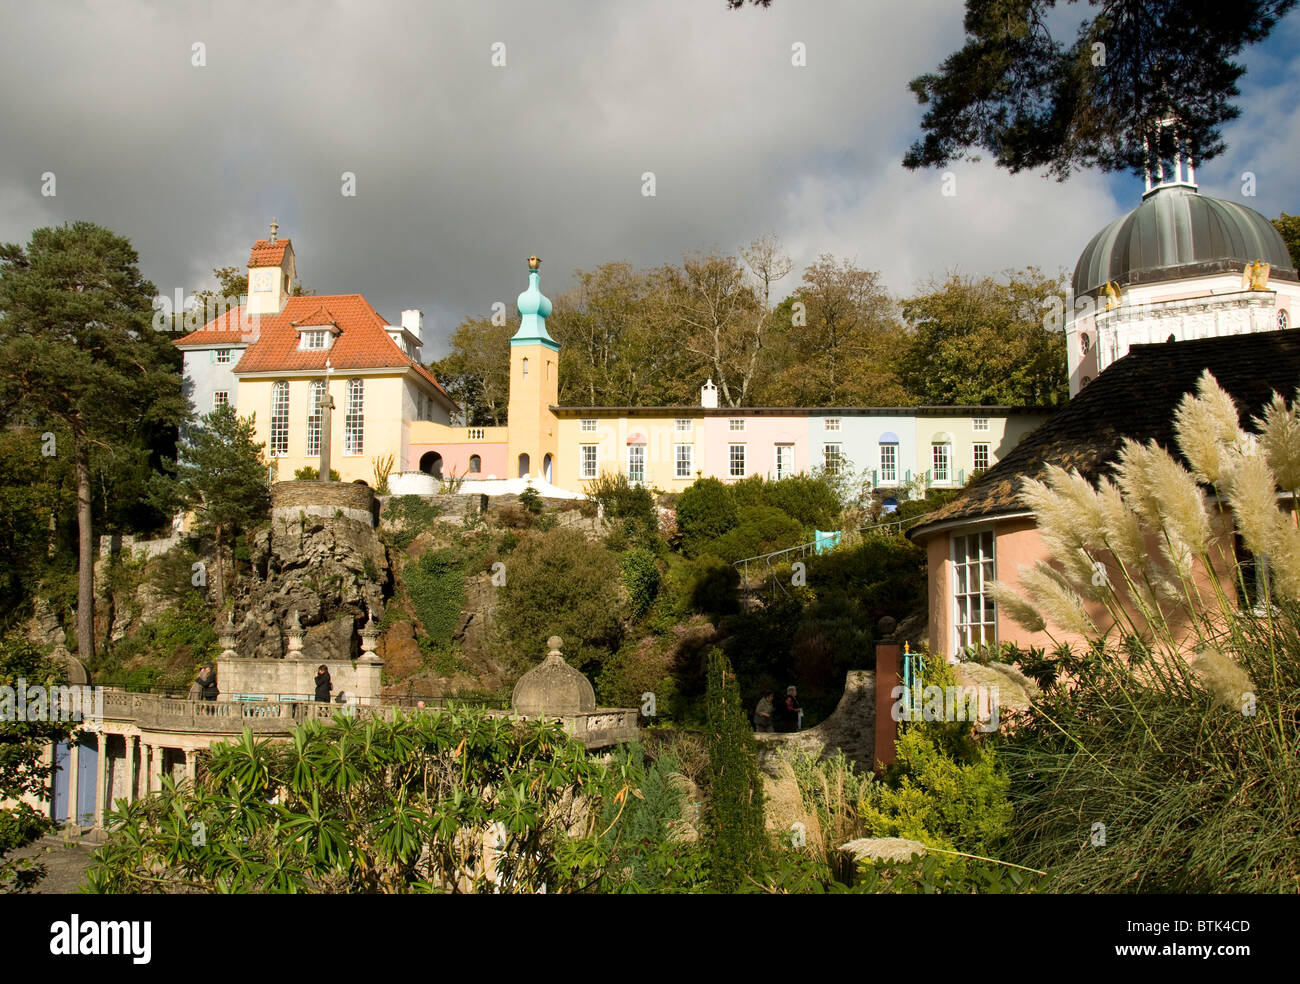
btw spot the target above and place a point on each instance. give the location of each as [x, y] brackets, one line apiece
[888, 464]
[588, 461]
[979, 423]
[223, 357]
[784, 460]
[314, 397]
[476, 433]
[1283, 320]
[475, 464]
[736, 456]
[973, 568]
[314, 340]
[525, 364]
[588, 425]
[832, 423]
[636, 463]
[684, 425]
[220, 398]
[981, 457]
[279, 419]
[1085, 343]
[736, 424]
[684, 460]
[941, 462]
[832, 458]
[354, 420]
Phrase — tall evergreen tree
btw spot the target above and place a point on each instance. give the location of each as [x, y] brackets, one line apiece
[222, 476]
[734, 830]
[77, 348]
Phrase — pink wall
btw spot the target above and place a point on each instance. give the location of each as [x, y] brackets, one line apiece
[761, 435]
[455, 458]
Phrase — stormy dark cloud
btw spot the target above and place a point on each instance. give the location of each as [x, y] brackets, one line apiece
[464, 168]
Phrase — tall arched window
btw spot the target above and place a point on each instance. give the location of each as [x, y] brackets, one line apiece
[314, 395]
[475, 464]
[525, 365]
[279, 419]
[354, 420]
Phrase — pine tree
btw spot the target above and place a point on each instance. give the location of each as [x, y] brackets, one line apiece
[734, 828]
[78, 351]
[222, 476]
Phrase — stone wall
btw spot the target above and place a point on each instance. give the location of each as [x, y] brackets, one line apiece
[283, 678]
[327, 500]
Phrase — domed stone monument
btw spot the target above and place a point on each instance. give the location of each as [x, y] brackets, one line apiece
[553, 688]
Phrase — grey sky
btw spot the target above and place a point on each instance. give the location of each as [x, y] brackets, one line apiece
[463, 169]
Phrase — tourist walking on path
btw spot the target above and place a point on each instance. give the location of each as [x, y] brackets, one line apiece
[323, 685]
[793, 716]
[763, 712]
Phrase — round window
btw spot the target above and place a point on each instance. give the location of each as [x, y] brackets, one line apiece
[1085, 343]
[1283, 320]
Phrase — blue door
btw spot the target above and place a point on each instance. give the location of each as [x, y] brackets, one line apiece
[59, 807]
[88, 761]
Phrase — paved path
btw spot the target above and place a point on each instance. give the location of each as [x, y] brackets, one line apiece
[65, 862]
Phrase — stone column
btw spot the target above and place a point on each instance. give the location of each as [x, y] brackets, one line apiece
[74, 760]
[101, 779]
[189, 765]
[132, 750]
[155, 767]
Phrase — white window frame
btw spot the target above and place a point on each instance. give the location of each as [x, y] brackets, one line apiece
[777, 452]
[733, 460]
[220, 398]
[732, 425]
[979, 423]
[683, 460]
[278, 445]
[941, 476]
[587, 425]
[975, 455]
[588, 460]
[636, 451]
[308, 337]
[315, 393]
[888, 470]
[354, 419]
[831, 424]
[982, 629]
[684, 425]
[223, 357]
[833, 464]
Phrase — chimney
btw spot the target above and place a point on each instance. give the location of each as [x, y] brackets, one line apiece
[709, 395]
[413, 321]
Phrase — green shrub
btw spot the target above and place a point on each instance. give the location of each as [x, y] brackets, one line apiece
[436, 586]
[309, 474]
[705, 511]
[809, 500]
[531, 500]
[406, 517]
[707, 585]
[562, 584]
[759, 530]
[733, 822]
[623, 500]
[641, 578]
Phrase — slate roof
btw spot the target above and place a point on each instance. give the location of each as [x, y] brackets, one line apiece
[1135, 398]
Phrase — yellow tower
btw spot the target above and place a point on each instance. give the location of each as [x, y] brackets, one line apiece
[534, 385]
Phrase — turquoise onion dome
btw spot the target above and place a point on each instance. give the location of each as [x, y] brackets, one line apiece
[534, 308]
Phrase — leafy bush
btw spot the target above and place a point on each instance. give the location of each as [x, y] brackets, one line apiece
[641, 578]
[531, 500]
[436, 585]
[705, 511]
[759, 530]
[707, 585]
[733, 822]
[621, 499]
[406, 517]
[170, 646]
[309, 474]
[562, 584]
[809, 500]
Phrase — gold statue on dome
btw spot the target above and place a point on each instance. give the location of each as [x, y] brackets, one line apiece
[534, 262]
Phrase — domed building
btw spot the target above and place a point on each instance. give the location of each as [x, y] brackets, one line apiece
[1180, 266]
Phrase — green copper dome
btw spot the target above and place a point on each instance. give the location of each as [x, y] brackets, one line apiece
[534, 308]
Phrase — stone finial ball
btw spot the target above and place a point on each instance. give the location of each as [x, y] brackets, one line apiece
[554, 643]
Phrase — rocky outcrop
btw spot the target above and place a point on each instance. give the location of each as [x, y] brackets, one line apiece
[331, 570]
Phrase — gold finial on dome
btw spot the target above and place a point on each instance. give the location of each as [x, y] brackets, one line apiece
[534, 262]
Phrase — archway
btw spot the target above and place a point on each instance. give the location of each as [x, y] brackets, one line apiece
[546, 470]
[523, 465]
[431, 464]
[475, 464]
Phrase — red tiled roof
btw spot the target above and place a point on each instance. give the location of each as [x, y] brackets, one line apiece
[225, 329]
[362, 341]
[267, 253]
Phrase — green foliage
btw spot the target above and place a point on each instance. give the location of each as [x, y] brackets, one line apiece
[705, 511]
[759, 530]
[733, 823]
[646, 845]
[367, 806]
[406, 517]
[531, 500]
[162, 652]
[34, 489]
[436, 586]
[934, 499]
[1288, 226]
[309, 474]
[623, 500]
[562, 584]
[383, 468]
[811, 500]
[22, 772]
[707, 585]
[641, 578]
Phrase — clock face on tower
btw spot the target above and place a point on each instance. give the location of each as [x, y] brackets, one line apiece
[262, 280]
